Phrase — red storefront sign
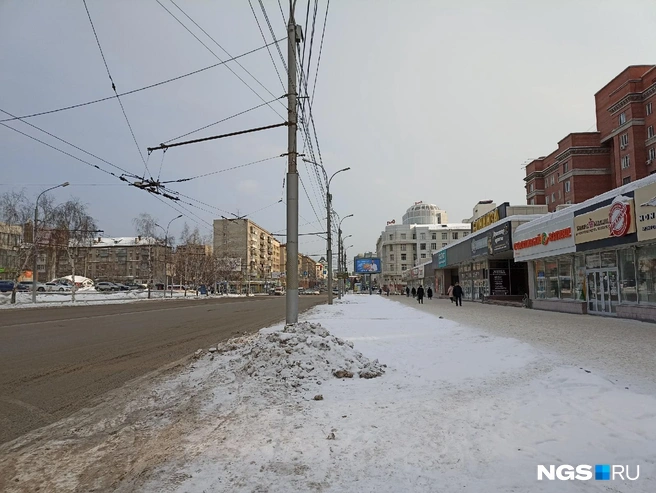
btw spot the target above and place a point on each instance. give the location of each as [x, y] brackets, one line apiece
[543, 239]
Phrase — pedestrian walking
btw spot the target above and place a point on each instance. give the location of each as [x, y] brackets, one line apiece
[407, 291]
[457, 294]
[429, 293]
[449, 292]
[414, 292]
[420, 295]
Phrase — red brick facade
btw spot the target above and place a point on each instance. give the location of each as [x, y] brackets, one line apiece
[587, 164]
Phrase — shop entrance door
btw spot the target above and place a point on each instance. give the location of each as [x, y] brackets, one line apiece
[603, 294]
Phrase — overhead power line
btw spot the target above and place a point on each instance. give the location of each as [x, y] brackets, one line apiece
[179, 180]
[217, 56]
[150, 86]
[264, 39]
[114, 88]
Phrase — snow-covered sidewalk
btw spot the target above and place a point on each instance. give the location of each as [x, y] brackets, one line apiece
[450, 409]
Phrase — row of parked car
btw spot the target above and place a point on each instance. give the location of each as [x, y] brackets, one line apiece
[117, 286]
[7, 285]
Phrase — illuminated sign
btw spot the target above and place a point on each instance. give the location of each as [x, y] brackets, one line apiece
[485, 220]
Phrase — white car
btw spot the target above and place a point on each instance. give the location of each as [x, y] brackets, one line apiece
[55, 286]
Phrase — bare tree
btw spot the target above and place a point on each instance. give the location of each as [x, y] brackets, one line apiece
[144, 225]
[72, 218]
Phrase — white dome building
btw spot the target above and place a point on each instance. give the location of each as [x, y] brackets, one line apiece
[421, 213]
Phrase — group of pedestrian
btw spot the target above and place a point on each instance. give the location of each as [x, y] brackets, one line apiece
[419, 293]
[455, 294]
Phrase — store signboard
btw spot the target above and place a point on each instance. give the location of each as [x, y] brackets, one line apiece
[540, 238]
[499, 239]
[441, 259]
[612, 221]
[645, 212]
[489, 218]
[479, 245]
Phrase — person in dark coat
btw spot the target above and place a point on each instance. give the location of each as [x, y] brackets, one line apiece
[457, 294]
[407, 291]
[429, 293]
[420, 295]
[414, 292]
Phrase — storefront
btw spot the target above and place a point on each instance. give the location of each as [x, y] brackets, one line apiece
[598, 257]
[483, 263]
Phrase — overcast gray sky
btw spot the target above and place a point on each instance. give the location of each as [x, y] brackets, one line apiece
[430, 100]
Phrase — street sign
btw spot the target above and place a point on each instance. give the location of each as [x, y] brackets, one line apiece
[325, 272]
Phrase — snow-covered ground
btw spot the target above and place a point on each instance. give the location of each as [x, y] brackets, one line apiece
[448, 408]
[89, 296]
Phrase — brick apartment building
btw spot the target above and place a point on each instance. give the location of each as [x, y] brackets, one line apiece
[622, 150]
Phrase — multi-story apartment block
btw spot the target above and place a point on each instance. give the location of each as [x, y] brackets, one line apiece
[623, 149]
[139, 259]
[424, 231]
[10, 241]
[259, 252]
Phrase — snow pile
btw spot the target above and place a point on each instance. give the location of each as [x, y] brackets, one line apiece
[303, 352]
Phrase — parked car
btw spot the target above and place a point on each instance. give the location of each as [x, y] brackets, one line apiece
[57, 286]
[27, 286]
[134, 286]
[106, 286]
[6, 286]
[279, 291]
[122, 287]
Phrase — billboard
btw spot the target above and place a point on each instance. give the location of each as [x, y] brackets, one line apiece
[367, 266]
[645, 203]
[613, 220]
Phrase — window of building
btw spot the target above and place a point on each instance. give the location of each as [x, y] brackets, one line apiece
[546, 199]
[403, 236]
[530, 187]
[414, 236]
[403, 256]
[565, 167]
[403, 248]
[628, 289]
[392, 267]
[454, 235]
[647, 275]
[648, 108]
[626, 179]
[551, 276]
[567, 186]
[652, 153]
[465, 234]
[444, 244]
[565, 278]
[622, 118]
[422, 246]
[434, 236]
[414, 257]
[553, 197]
[625, 161]
[559, 196]
[445, 236]
[553, 179]
[433, 246]
[392, 257]
[391, 237]
[423, 255]
[404, 266]
[422, 236]
[624, 140]
[650, 131]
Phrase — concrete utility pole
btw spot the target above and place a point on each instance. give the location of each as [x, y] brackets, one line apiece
[291, 297]
[35, 274]
[340, 247]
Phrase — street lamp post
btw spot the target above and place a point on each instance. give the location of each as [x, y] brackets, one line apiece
[339, 254]
[34, 241]
[329, 241]
[166, 247]
[344, 261]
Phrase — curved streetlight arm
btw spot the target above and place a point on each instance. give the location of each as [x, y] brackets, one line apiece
[34, 239]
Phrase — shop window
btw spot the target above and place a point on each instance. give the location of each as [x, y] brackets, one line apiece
[565, 278]
[551, 275]
[592, 261]
[540, 284]
[628, 288]
[647, 275]
[579, 266]
[609, 259]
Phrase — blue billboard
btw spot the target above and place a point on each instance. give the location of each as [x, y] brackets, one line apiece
[367, 266]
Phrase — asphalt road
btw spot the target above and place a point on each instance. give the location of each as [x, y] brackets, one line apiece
[54, 361]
